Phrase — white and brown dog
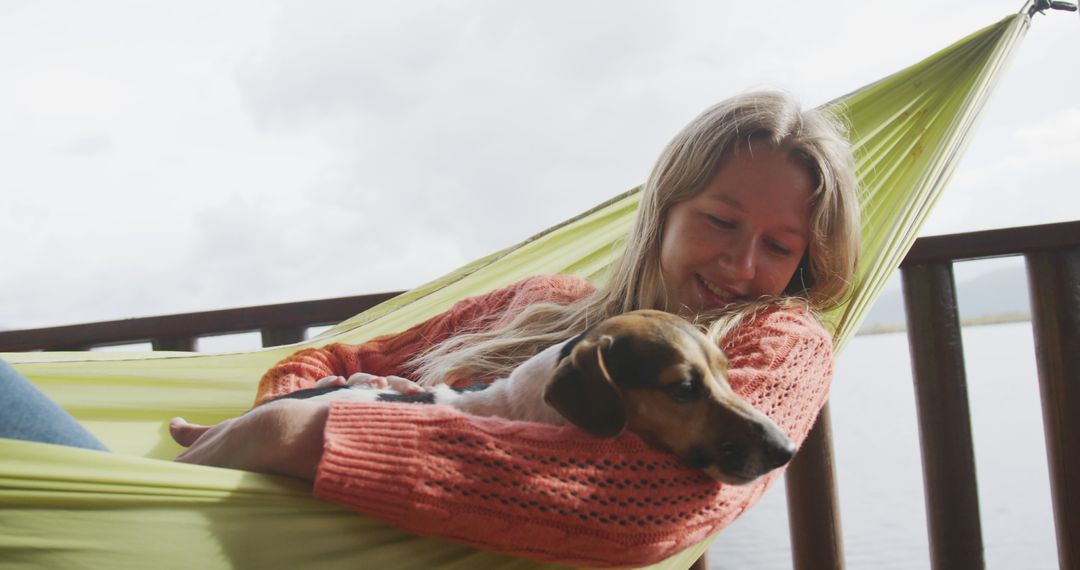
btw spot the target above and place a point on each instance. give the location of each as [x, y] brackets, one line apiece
[648, 372]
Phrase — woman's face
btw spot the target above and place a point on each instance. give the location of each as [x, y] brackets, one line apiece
[742, 237]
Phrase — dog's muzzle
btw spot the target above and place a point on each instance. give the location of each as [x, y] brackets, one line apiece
[742, 461]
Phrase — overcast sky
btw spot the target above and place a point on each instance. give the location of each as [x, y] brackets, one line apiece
[172, 157]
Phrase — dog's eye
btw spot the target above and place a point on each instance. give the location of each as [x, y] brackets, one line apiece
[688, 391]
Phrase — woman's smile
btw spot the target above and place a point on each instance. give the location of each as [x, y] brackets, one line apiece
[717, 295]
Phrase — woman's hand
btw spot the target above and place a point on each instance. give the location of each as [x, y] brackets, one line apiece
[284, 437]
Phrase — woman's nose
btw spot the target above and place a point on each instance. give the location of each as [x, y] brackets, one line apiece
[738, 261]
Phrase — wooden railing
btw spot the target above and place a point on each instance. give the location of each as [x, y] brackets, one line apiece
[1052, 256]
[279, 324]
[1052, 253]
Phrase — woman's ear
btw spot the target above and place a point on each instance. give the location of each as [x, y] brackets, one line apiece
[582, 392]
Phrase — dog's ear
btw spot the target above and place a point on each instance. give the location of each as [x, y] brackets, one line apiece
[581, 391]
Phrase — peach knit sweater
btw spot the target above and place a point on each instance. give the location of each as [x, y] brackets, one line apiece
[553, 494]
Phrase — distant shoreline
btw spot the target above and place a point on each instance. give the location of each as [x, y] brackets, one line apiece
[999, 319]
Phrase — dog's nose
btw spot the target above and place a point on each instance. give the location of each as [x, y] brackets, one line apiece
[779, 452]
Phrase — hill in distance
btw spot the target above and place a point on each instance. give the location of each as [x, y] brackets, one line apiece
[1000, 295]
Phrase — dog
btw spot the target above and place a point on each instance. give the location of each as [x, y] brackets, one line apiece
[649, 372]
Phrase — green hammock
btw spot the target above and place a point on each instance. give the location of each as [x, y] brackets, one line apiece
[64, 507]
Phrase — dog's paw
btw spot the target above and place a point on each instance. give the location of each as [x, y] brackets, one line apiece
[365, 380]
[330, 381]
[404, 385]
[373, 382]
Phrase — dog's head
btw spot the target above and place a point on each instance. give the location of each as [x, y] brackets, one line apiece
[656, 375]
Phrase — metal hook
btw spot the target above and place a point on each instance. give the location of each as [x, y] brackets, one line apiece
[1040, 6]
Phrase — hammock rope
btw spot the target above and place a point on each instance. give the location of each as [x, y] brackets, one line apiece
[66, 507]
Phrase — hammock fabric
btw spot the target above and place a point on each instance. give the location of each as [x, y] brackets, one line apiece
[64, 507]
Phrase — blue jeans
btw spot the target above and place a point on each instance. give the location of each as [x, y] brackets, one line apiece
[26, 413]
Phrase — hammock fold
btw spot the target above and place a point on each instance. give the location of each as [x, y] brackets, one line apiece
[65, 507]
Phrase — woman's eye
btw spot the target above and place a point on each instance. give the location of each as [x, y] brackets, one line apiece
[779, 248]
[720, 222]
[688, 391]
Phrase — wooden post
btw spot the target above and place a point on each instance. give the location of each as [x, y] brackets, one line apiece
[277, 336]
[813, 508]
[1054, 279]
[182, 343]
[937, 355]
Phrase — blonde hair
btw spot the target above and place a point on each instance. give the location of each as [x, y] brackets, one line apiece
[684, 169]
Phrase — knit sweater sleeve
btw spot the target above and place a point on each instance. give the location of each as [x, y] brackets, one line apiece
[392, 354]
[556, 494]
[781, 362]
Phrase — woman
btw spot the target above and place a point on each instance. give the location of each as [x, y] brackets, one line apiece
[748, 225]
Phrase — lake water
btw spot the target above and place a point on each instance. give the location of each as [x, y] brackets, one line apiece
[879, 472]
